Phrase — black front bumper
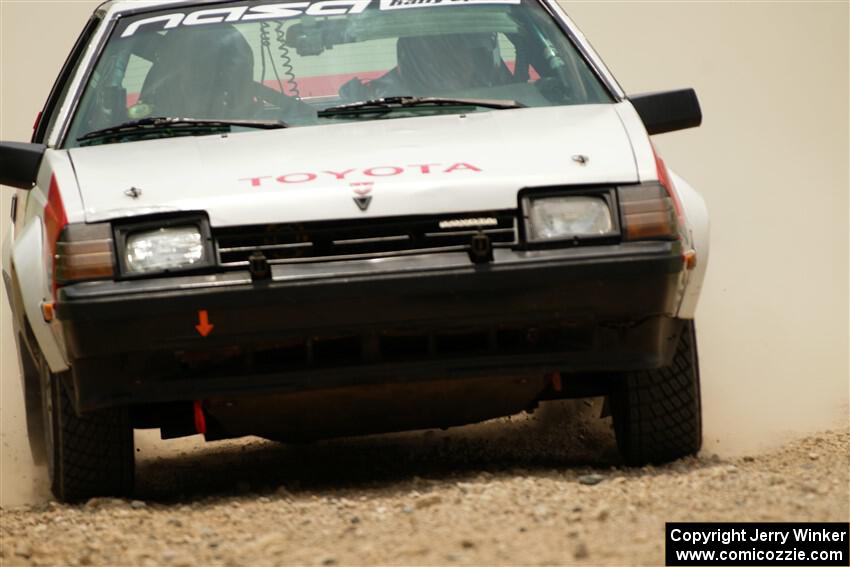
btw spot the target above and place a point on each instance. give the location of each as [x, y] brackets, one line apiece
[331, 324]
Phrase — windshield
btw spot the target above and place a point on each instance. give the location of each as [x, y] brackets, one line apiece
[292, 61]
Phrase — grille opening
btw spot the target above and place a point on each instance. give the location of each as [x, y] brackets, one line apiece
[562, 338]
[462, 343]
[388, 346]
[511, 340]
[226, 359]
[332, 351]
[397, 347]
[282, 355]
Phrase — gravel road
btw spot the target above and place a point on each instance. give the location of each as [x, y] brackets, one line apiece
[515, 491]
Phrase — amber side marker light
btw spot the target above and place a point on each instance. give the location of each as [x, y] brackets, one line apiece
[48, 311]
[84, 252]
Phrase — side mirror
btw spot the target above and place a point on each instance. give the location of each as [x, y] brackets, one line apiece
[668, 111]
[19, 163]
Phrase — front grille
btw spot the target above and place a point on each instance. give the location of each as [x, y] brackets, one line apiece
[366, 238]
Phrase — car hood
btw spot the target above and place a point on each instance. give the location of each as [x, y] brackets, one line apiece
[370, 168]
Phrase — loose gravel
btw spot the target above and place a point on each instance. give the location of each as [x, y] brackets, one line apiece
[540, 490]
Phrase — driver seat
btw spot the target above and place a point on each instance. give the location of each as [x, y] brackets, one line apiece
[202, 72]
[451, 62]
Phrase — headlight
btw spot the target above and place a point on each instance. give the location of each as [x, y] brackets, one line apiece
[566, 217]
[171, 248]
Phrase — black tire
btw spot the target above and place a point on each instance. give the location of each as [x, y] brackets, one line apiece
[87, 455]
[33, 404]
[657, 413]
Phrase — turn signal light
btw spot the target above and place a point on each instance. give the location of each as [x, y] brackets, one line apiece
[48, 311]
[84, 252]
[648, 213]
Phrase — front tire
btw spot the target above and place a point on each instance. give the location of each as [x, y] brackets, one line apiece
[657, 413]
[87, 455]
[33, 403]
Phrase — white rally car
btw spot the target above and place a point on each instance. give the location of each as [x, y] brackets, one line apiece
[311, 219]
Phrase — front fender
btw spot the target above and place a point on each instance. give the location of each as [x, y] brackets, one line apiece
[696, 216]
[30, 277]
[6, 257]
[13, 295]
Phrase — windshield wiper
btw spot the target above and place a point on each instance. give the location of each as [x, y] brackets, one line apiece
[172, 122]
[390, 103]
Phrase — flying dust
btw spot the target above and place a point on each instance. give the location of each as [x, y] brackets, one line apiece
[21, 482]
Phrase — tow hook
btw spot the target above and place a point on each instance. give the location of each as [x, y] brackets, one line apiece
[200, 418]
[554, 378]
[481, 249]
[259, 267]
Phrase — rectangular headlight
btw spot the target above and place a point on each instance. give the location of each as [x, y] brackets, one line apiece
[172, 248]
[562, 217]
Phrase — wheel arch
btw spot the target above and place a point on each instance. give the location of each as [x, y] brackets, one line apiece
[696, 215]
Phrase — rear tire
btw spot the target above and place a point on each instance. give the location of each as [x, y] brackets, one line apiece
[657, 413]
[87, 455]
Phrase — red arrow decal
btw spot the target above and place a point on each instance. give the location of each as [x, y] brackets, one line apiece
[204, 328]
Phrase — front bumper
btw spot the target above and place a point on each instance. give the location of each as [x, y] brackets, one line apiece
[334, 324]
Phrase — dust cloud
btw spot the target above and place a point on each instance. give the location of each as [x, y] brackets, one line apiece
[27, 71]
[21, 482]
[770, 160]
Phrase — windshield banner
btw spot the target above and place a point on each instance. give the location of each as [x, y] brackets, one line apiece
[244, 13]
[280, 10]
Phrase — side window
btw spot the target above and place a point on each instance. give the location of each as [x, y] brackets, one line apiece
[137, 69]
[114, 90]
[507, 52]
[50, 112]
[516, 58]
[298, 66]
[324, 76]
